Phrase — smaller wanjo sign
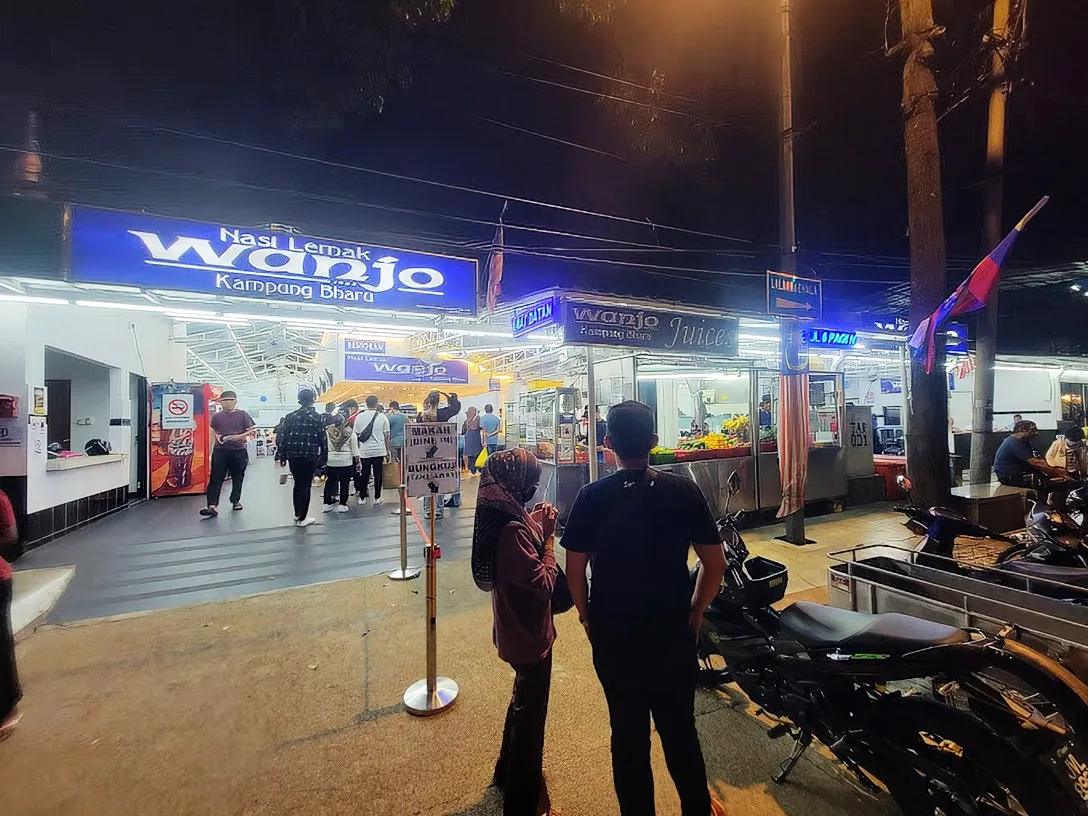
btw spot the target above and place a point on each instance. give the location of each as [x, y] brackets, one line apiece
[364, 346]
[538, 316]
[595, 325]
[380, 368]
[831, 338]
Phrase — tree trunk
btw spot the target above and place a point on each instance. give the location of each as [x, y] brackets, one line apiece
[927, 438]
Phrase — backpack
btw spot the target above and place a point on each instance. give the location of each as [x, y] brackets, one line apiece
[368, 431]
[97, 447]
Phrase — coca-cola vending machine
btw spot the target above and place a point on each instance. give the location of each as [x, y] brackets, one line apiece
[180, 438]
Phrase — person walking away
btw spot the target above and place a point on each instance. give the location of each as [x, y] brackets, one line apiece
[491, 424]
[432, 412]
[10, 691]
[513, 558]
[301, 445]
[472, 431]
[397, 421]
[636, 527]
[231, 428]
[343, 460]
[372, 427]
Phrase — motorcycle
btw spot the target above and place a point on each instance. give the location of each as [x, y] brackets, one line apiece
[1052, 547]
[922, 707]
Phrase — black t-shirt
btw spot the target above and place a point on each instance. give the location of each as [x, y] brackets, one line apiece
[637, 527]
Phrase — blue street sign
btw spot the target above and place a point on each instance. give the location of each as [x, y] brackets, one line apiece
[162, 253]
[540, 315]
[831, 338]
[791, 296]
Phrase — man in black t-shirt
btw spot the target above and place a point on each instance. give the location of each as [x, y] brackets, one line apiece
[634, 529]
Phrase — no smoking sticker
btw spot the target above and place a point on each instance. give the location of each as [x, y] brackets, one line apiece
[178, 411]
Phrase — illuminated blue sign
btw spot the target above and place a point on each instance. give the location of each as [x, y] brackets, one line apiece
[364, 346]
[144, 250]
[378, 368]
[831, 338]
[538, 316]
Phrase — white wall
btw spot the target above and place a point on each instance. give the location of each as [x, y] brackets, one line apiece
[13, 379]
[123, 342]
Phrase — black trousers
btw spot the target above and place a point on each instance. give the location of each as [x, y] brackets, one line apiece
[10, 692]
[662, 685]
[302, 471]
[337, 481]
[224, 461]
[362, 480]
[520, 768]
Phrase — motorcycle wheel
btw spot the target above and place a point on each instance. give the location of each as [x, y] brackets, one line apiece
[950, 763]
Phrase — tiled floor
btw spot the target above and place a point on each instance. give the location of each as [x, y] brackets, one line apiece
[162, 553]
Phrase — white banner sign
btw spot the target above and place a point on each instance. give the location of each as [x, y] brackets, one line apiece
[177, 411]
[430, 458]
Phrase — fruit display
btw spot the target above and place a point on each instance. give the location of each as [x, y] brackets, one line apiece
[737, 428]
[731, 442]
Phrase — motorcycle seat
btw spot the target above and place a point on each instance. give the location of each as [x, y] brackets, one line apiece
[1075, 576]
[819, 627]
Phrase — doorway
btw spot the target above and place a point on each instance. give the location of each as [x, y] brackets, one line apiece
[138, 459]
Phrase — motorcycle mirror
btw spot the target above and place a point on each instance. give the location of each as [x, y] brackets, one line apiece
[733, 483]
[903, 482]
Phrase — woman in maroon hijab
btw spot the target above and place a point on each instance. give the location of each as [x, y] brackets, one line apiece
[513, 558]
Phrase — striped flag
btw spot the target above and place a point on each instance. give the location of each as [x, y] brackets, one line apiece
[970, 296]
[793, 442]
[494, 271]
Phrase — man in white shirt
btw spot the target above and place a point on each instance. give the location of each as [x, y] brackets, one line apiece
[372, 428]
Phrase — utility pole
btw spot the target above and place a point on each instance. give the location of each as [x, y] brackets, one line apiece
[927, 440]
[986, 325]
[787, 224]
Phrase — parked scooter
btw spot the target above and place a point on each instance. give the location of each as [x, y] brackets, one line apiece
[953, 740]
[1052, 548]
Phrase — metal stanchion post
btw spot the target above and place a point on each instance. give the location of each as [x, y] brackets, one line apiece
[405, 573]
[433, 693]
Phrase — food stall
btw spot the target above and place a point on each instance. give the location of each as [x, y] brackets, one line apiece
[687, 367]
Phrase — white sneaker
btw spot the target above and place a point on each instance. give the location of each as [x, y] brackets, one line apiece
[306, 522]
[362, 501]
[377, 502]
[328, 508]
[342, 508]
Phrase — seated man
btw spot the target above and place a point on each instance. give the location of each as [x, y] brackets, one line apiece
[1016, 459]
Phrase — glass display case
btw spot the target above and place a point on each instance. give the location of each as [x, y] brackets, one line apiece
[547, 429]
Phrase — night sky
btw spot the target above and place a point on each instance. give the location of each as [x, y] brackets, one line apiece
[484, 94]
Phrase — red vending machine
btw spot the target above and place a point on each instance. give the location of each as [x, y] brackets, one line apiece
[180, 438]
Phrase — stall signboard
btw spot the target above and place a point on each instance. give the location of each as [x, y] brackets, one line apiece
[540, 315]
[384, 368]
[791, 296]
[364, 346]
[134, 249]
[430, 458]
[591, 324]
[831, 338]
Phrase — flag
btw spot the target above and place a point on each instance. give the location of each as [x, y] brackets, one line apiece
[793, 442]
[970, 296]
[967, 366]
[494, 272]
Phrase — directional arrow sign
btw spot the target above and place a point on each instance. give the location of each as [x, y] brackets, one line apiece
[791, 296]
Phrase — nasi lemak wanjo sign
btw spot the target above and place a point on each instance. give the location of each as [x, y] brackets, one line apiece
[151, 252]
